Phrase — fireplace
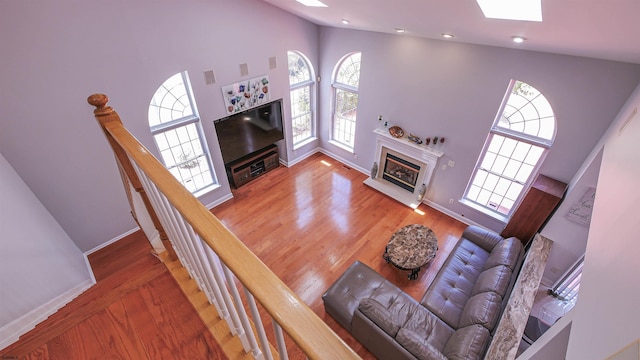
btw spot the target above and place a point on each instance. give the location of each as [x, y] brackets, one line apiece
[400, 172]
[403, 167]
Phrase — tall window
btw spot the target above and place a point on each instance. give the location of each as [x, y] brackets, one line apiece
[346, 79]
[176, 129]
[515, 148]
[301, 84]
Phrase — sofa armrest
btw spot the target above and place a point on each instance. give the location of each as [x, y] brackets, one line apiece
[486, 239]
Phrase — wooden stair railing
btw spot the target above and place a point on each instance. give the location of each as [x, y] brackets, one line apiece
[215, 257]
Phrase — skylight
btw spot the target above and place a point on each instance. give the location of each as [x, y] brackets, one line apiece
[313, 3]
[525, 10]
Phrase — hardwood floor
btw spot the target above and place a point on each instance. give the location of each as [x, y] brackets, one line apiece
[135, 311]
[307, 223]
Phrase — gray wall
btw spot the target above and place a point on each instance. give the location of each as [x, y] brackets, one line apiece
[609, 292]
[40, 267]
[433, 87]
[55, 54]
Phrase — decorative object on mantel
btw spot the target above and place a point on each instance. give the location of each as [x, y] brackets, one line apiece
[435, 140]
[421, 192]
[396, 131]
[580, 212]
[374, 170]
[414, 138]
[246, 94]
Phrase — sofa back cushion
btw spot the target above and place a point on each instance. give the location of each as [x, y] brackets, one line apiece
[482, 309]
[389, 319]
[467, 343]
[417, 346]
[495, 279]
[506, 252]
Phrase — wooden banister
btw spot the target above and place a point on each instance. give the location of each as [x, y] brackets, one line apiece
[304, 327]
[105, 114]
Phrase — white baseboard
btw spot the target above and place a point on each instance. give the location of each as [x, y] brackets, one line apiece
[219, 201]
[299, 159]
[11, 332]
[452, 214]
[109, 242]
[345, 161]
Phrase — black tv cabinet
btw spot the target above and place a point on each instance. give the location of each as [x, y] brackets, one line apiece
[253, 165]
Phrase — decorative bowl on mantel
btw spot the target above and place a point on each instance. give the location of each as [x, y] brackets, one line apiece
[396, 131]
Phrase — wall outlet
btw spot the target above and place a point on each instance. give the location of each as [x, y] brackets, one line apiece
[451, 201]
[451, 163]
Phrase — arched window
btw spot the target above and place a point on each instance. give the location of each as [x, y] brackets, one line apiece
[346, 79]
[176, 129]
[302, 91]
[515, 148]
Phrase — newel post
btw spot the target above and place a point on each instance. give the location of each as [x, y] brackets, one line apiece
[106, 115]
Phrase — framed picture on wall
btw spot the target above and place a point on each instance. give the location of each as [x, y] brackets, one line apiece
[246, 94]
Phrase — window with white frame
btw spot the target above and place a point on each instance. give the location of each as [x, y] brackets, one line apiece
[302, 90]
[519, 139]
[176, 129]
[346, 80]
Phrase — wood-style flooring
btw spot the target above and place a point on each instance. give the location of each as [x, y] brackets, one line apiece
[307, 223]
[135, 311]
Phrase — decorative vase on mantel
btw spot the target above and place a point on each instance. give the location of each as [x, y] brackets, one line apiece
[374, 170]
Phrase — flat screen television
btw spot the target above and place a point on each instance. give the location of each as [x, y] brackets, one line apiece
[248, 131]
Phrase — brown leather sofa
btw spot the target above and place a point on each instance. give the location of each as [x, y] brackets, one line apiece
[455, 318]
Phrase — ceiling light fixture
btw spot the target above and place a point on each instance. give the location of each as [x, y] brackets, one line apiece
[400, 31]
[345, 21]
[525, 10]
[312, 3]
[448, 36]
[518, 39]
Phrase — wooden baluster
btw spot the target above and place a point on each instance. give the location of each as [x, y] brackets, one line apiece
[105, 115]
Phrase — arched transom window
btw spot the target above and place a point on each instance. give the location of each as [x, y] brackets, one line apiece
[176, 129]
[515, 148]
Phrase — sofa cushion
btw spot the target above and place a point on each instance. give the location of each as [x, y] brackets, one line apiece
[429, 327]
[454, 283]
[486, 239]
[358, 282]
[388, 320]
[467, 343]
[481, 309]
[494, 279]
[417, 346]
[507, 252]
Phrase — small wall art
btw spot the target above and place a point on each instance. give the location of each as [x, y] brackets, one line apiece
[580, 212]
[246, 94]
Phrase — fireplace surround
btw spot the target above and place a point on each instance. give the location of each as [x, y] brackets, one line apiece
[403, 167]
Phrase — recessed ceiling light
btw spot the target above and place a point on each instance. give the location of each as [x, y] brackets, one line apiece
[400, 31]
[345, 21]
[518, 39]
[312, 3]
[526, 10]
[448, 36]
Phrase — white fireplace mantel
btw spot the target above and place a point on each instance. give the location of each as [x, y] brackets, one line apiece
[421, 154]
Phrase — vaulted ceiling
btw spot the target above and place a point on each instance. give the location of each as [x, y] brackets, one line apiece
[590, 28]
